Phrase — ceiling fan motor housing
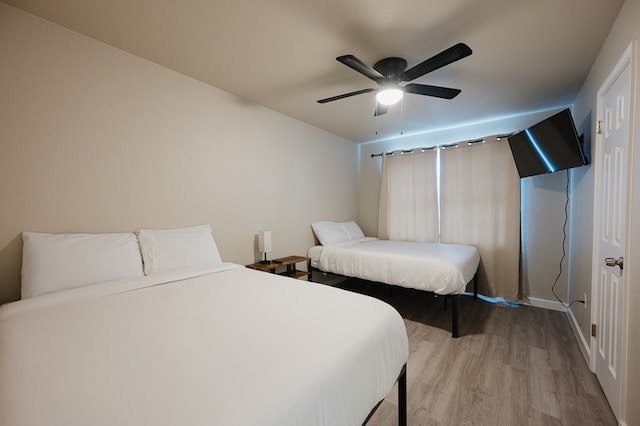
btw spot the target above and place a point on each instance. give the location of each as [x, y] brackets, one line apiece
[391, 68]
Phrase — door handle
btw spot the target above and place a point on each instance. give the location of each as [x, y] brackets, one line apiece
[610, 261]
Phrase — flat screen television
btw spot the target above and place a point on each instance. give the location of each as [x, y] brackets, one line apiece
[551, 145]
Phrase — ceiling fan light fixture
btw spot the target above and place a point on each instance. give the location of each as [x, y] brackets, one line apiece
[389, 96]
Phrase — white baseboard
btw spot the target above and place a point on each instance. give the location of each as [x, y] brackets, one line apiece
[543, 303]
[585, 346]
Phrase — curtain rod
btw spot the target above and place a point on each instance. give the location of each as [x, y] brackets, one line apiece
[451, 145]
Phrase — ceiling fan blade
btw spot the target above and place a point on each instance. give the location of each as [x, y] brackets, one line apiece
[364, 69]
[452, 54]
[345, 95]
[380, 109]
[436, 91]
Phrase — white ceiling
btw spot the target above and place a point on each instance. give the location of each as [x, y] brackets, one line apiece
[528, 55]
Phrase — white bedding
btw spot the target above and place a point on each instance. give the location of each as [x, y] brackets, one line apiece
[439, 268]
[229, 346]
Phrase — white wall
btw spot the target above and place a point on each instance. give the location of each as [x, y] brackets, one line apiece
[543, 203]
[94, 139]
[542, 196]
[624, 31]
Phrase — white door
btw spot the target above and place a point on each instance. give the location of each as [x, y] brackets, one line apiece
[612, 161]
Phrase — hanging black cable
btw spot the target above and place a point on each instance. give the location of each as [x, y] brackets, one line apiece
[564, 239]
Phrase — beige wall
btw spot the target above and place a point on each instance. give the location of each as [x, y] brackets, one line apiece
[96, 140]
[624, 31]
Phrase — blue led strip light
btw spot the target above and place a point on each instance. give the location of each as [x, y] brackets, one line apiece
[550, 167]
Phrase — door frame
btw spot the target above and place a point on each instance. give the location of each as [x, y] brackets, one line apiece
[628, 59]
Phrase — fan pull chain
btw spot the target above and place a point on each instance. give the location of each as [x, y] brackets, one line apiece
[401, 114]
[375, 117]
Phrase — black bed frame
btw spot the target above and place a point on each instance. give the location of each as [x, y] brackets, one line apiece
[454, 306]
[453, 297]
[402, 399]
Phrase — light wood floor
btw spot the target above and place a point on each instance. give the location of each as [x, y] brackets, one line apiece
[511, 366]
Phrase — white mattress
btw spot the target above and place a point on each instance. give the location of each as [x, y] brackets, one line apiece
[439, 268]
[232, 346]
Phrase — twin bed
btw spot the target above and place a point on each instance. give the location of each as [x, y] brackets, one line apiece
[443, 269]
[154, 329]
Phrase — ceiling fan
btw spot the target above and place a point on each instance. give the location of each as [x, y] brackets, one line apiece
[390, 72]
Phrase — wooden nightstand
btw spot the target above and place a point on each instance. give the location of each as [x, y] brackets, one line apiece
[288, 262]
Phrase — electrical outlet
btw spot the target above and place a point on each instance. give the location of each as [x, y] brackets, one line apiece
[585, 300]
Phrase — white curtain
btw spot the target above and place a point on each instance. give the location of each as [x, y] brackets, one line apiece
[408, 197]
[480, 206]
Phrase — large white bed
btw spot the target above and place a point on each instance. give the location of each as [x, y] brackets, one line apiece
[443, 269]
[221, 345]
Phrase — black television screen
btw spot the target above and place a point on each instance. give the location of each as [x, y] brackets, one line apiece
[551, 145]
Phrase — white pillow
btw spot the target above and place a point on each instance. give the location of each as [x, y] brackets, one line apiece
[54, 262]
[165, 250]
[330, 233]
[353, 230]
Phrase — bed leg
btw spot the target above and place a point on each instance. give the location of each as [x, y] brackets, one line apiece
[309, 270]
[402, 397]
[454, 316]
